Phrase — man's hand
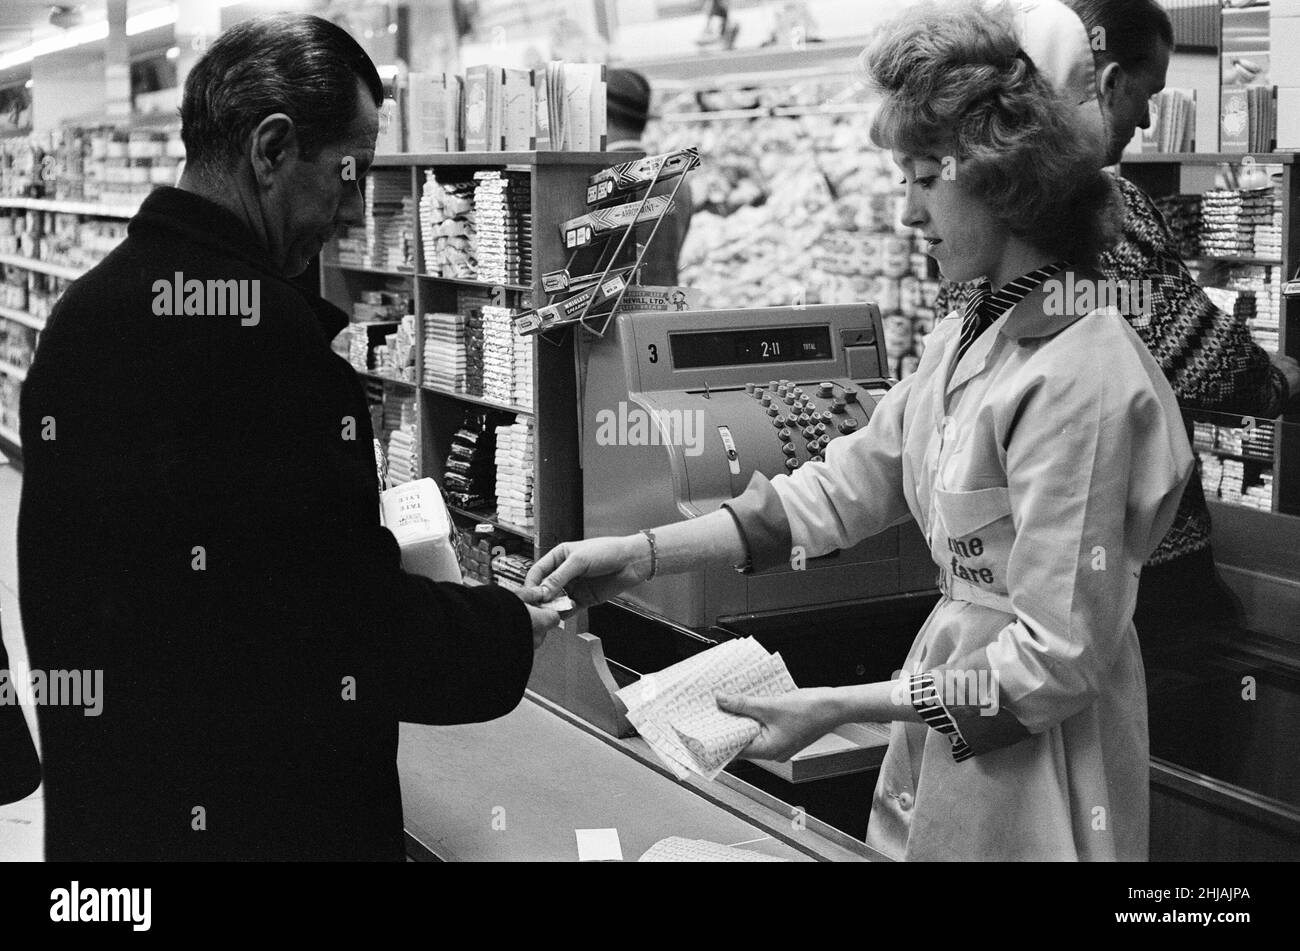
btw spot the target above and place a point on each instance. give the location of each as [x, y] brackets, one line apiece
[544, 620]
[592, 571]
[790, 722]
[1291, 370]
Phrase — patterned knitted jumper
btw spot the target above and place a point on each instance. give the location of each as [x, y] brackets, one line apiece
[1207, 355]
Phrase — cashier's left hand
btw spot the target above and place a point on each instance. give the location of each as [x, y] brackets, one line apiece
[790, 722]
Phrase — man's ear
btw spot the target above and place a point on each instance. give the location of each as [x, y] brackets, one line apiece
[1108, 81]
[274, 142]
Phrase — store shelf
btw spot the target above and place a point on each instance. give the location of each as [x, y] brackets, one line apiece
[493, 159]
[370, 374]
[1208, 158]
[44, 267]
[478, 400]
[91, 208]
[8, 369]
[22, 317]
[1226, 454]
[11, 437]
[1249, 259]
[366, 270]
[459, 282]
[489, 516]
[483, 285]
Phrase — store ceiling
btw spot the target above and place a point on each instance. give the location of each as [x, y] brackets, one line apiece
[18, 20]
[23, 21]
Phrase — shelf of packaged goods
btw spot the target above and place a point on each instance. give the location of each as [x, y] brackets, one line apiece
[1209, 158]
[383, 272]
[44, 267]
[9, 436]
[523, 160]
[22, 317]
[478, 400]
[8, 369]
[1234, 259]
[370, 374]
[489, 516]
[92, 209]
[1228, 454]
[469, 282]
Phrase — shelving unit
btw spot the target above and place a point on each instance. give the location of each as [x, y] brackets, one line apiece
[558, 183]
[9, 441]
[1160, 174]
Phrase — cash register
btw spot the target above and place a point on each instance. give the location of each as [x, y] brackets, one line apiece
[680, 409]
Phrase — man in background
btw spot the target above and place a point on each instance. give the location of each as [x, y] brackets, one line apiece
[627, 98]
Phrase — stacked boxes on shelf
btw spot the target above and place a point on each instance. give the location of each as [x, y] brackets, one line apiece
[507, 359]
[387, 239]
[1241, 221]
[514, 476]
[503, 240]
[100, 163]
[1236, 462]
[401, 437]
[470, 467]
[447, 228]
[56, 238]
[450, 360]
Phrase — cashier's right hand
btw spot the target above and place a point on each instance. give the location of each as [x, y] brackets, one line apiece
[594, 570]
[544, 620]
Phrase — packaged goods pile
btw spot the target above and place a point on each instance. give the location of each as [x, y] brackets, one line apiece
[514, 476]
[799, 209]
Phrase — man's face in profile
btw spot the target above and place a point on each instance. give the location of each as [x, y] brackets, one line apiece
[312, 199]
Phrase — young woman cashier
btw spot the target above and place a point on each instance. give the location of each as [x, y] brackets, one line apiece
[1040, 451]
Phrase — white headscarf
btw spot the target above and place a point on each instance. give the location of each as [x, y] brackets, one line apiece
[1053, 36]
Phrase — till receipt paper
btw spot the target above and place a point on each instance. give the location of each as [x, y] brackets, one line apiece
[675, 712]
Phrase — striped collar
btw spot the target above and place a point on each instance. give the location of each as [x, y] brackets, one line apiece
[1013, 292]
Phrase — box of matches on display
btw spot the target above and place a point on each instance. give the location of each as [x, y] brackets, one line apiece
[629, 176]
[581, 231]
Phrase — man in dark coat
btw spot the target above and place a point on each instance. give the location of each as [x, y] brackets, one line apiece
[199, 514]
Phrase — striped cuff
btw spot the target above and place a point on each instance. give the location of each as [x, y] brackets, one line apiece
[926, 702]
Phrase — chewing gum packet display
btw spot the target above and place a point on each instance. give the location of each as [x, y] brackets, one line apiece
[572, 308]
[556, 282]
[621, 179]
[583, 230]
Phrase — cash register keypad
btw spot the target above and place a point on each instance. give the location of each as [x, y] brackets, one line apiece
[817, 424]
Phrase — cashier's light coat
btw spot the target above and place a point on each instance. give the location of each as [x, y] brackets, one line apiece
[1043, 470]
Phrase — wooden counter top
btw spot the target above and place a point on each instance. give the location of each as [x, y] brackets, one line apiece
[515, 790]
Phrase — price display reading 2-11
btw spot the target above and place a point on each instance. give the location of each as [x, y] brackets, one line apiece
[724, 348]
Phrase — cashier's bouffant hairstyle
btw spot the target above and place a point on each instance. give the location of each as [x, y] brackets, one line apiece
[300, 65]
[954, 81]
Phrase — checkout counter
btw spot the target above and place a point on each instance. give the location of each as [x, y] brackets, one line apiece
[678, 411]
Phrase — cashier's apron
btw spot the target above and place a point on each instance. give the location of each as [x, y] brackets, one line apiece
[1019, 802]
